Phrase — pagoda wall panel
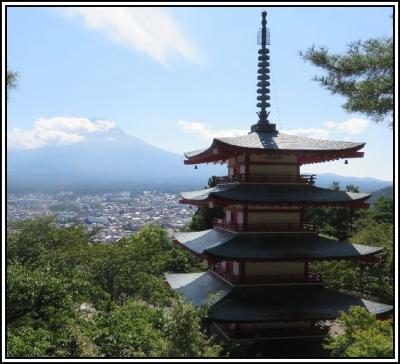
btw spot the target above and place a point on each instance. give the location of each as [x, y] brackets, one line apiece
[255, 268]
[232, 161]
[278, 169]
[273, 217]
[241, 158]
[261, 207]
[286, 158]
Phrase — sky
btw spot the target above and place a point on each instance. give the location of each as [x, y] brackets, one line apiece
[178, 77]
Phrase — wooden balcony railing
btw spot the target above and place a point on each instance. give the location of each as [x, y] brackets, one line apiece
[261, 227]
[305, 178]
[271, 278]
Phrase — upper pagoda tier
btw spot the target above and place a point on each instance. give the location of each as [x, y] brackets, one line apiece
[307, 150]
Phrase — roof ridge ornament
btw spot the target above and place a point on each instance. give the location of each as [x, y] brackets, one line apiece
[263, 83]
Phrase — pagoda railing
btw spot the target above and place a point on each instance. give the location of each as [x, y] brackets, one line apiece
[261, 227]
[305, 178]
[272, 278]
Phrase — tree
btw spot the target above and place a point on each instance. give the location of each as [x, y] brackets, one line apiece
[337, 222]
[364, 336]
[34, 295]
[130, 330]
[204, 216]
[53, 273]
[382, 211]
[371, 280]
[184, 332]
[363, 75]
[12, 80]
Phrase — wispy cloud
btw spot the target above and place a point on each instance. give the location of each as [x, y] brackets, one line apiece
[206, 132]
[315, 133]
[352, 126]
[150, 30]
[59, 130]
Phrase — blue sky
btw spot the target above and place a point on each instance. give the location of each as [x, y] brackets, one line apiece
[176, 77]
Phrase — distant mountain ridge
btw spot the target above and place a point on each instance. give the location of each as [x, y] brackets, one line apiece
[365, 184]
[383, 192]
[114, 160]
[104, 161]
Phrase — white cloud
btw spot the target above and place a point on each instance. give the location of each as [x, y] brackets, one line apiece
[352, 126]
[149, 30]
[208, 133]
[56, 131]
[315, 133]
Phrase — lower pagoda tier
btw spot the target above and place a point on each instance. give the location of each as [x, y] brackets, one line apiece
[274, 195]
[218, 245]
[268, 303]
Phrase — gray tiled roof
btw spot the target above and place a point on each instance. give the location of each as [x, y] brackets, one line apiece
[198, 288]
[272, 141]
[294, 302]
[270, 246]
[275, 193]
[202, 241]
[266, 303]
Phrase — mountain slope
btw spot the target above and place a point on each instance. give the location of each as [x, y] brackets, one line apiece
[366, 184]
[385, 192]
[107, 160]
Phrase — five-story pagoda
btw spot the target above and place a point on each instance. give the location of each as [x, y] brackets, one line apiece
[258, 256]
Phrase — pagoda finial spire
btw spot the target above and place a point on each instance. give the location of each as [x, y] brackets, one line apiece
[263, 84]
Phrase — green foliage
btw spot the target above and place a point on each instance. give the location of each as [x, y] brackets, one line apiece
[35, 295]
[336, 222]
[52, 271]
[363, 75]
[26, 341]
[184, 333]
[373, 280]
[382, 211]
[36, 240]
[203, 218]
[12, 81]
[364, 336]
[367, 227]
[127, 331]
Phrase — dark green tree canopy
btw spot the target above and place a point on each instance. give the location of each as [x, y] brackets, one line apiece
[363, 75]
[363, 336]
[12, 80]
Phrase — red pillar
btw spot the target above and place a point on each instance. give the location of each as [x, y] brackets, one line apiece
[247, 167]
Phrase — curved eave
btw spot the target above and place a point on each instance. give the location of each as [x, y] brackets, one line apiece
[223, 245]
[279, 306]
[241, 194]
[220, 202]
[306, 156]
[266, 303]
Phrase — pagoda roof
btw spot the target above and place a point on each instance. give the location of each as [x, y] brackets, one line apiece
[273, 142]
[266, 303]
[273, 194]
[270, 246]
